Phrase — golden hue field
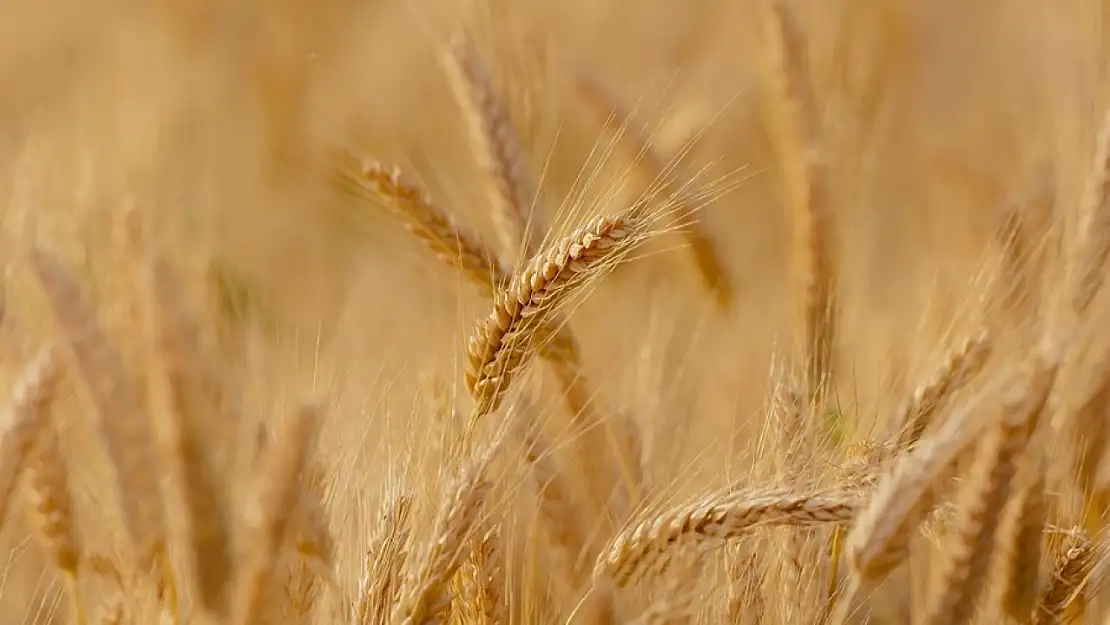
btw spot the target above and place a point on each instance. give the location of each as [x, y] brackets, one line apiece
[757, 312]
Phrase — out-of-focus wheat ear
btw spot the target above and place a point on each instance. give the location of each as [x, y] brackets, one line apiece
[190, 391]
[879, 539]
[984, 495]
[646, 546]
[50, 510]
[385, 562]
[482, 592]
[496, 147]
[425, 597]
[412, 206]
[113, 612]
[1068, 577]
[1016, 285]
[653, 171]
[1091, 248]
[267, 514]
[805, 193]
[123, 421]
[25, 416]
[960, 366]
[314, 540]
[792, 432]
[1020, 539]
[311, 571]
[1081, 421]
[600, 606]
[506, 339]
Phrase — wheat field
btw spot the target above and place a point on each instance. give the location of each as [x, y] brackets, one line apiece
[756, 312]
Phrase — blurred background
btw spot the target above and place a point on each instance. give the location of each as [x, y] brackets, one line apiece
[217, 122]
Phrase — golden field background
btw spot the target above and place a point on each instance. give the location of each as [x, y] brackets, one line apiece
[214, 123]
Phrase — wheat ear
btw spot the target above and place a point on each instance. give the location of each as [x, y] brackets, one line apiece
[1020, 539]
[451, 245]
[652, 169]
[425, 598]
[124, 422]
[879, 539]
[483, 580]
[1068, 575]
[267, 515]
[50, 505]
[412, 206]
[712, 520]
[959, 368]
[806, 192]
[496, 146]
[191, 391]
[984, 496]
[504, 341]
[1092, 248]
[25, 416]
[385, 562]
